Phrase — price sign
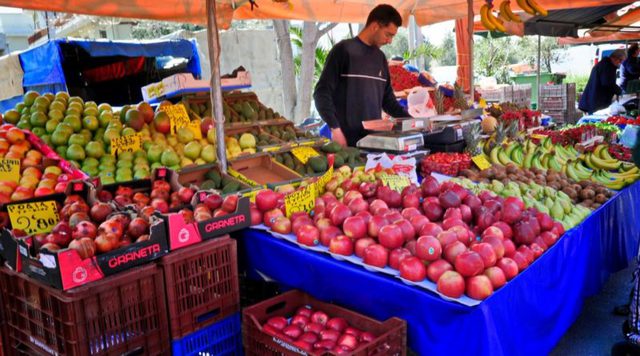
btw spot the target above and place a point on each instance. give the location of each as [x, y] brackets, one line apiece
[251, 195]
[323, 180]
[178, 116]
[10, 170]
[304, 153]
[271, 148]
[194, 126]
[539, 136]
[301, 200]
[481, 162]
[241, 177]
[34, 218]
[129, 143]
[395, 182]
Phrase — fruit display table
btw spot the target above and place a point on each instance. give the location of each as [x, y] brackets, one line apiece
[527, 316]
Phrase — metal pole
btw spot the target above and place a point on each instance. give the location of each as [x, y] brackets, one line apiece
[538, 78]
[470, 34]
[412, 39]
[213, 42]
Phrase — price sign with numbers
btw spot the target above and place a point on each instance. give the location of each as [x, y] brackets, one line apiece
[178, 116]
[304, 153]
[395, 182]
[323, 180]
[301, 200]
[10, 170]
[34, 218]
[129, 143]
[194, 126]
[481, 162]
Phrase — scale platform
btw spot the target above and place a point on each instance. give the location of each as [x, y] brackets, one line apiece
[396, 142]
[447, 130]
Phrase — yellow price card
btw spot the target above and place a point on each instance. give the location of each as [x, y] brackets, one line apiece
[129, 143]
[481, 162]
[304, 153]
[395, 182]
[10, 170]
[301, 200]
[34, 218]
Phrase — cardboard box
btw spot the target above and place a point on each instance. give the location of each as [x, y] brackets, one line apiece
[261, 170]
[194, 176]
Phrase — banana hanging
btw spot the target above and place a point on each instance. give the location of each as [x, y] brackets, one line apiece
[497, 22]
[505, 10]
[537, 8]
[524, 5]
[484, 18]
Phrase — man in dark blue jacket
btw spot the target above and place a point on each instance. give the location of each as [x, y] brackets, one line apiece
[355, 84]
[630, 68]
[602, 86]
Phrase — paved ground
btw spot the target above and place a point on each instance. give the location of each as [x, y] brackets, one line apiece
[597, 328]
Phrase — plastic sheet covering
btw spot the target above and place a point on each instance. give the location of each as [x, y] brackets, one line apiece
[528, 316]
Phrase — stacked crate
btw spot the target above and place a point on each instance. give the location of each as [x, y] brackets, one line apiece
[203, 298]
[499, 94]
[522, 94]
[559, 102]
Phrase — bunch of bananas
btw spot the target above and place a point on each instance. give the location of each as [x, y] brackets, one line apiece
[597, 166]
[496, 23]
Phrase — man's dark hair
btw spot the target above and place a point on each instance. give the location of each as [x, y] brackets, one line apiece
[632, 50]
[384, 15]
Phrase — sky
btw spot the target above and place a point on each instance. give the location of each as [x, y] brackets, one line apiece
[9, 10]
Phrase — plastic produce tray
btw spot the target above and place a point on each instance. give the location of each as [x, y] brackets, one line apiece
[123, 314]
[202, 285]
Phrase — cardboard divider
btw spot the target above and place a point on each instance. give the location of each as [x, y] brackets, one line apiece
[263, 170]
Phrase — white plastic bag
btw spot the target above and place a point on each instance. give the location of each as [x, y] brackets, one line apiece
[401, 165]
[419, 103]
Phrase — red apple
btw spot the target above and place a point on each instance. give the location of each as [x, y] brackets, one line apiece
[354, 227]
[358, 205]
[411, 268]
[437, 268]
[339, 214]
[452, 250]
[266, 200]
[308, 235]
[408, 231]
[496, 276]
[447, 237]
[375, 225]
[362, 244]
[418, 222]
[430, 229]
[507, 232]
[509, 248]
[341, 245]
[487, 253]
[398, 255]
[469, 264]
[408, 213]
[428, 248]
[451, 284]
[376, 255]
[390, 236]
[328, 233]
[281, 225]
[432, 210]
[479, 287]
[509, 267]
[270, 216]
[496, 244]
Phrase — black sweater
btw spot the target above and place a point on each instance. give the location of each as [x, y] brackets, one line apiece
[354, 87]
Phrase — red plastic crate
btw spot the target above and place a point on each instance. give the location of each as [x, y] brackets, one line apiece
[123, 314]
[202, 285]
[391, 335]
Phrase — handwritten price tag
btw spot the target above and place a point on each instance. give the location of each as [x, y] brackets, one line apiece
[395, 182]
[177, 115]
[10, 170]
[129, 143]
[538, 136]
[300, 200]
[34, 218]
[323, 180]
[304, 153]
[481, 162]
[194, 126]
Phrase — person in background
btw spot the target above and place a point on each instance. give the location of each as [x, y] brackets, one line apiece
[355, 84]
[602, 86]
[630, 68]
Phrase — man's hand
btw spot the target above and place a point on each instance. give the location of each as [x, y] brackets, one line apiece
[338, 136]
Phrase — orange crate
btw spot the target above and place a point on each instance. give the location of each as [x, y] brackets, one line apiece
[391, 335]
[202, 285]
[123, 314]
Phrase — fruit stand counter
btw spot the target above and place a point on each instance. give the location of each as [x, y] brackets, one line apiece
[527, 316]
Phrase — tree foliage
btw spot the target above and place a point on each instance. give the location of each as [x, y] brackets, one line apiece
[448, 50]
[492, 57]
[147, 29]
[550, 51]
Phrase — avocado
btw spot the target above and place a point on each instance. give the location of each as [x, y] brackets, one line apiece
[331, 147]
[318, 164]
[215, 177]
[225, 181]
[231, 187]
[208, 184]
[338, 161]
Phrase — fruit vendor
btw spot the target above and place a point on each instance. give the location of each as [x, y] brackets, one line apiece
[630, 68]
[602, 86]
[355, 84]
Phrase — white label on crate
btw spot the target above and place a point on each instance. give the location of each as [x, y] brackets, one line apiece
[183, 235]
[42, 345]
[289, 347]
[48, 261]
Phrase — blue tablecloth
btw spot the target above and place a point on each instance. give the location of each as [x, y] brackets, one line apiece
[526, 317]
